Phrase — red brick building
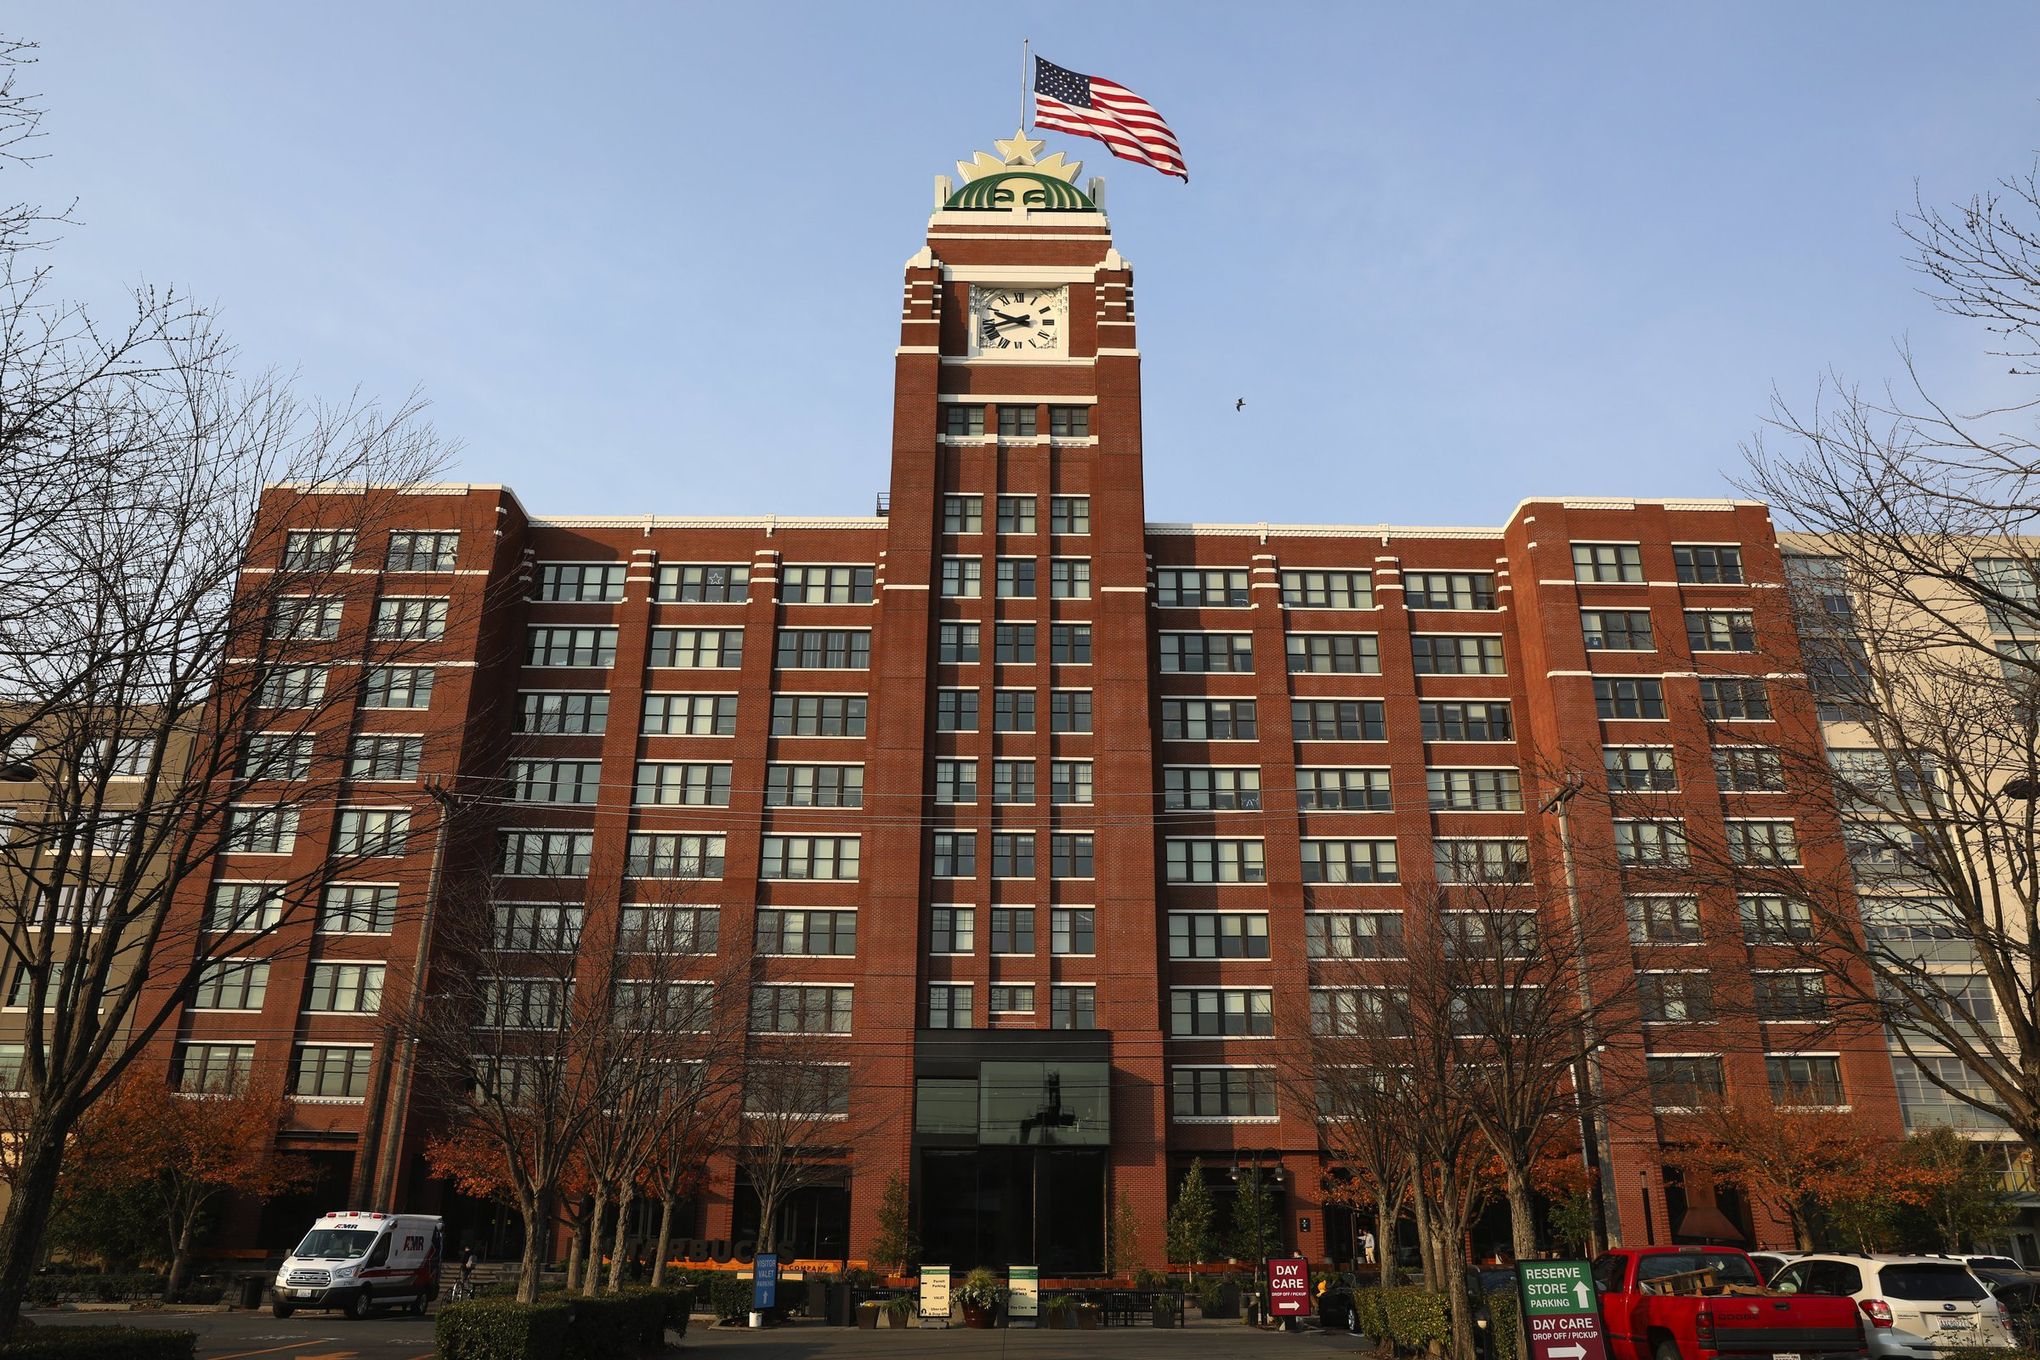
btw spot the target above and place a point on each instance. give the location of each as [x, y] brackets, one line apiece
[1044, 809]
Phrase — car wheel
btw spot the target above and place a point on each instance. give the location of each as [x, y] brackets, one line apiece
[281, 1310]
[358, 1306]
[1353, 1320]
[1666, 1349]
[417, 1308]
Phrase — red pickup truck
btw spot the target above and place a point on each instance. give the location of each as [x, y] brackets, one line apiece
[1696, 1303]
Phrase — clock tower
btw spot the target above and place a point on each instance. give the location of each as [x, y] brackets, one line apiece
[1012, 782]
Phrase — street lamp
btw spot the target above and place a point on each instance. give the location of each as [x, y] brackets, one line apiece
[1594, 1150]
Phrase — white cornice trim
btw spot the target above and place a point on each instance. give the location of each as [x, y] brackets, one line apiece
[649, 522]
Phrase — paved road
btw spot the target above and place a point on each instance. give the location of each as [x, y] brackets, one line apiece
[319, 1336]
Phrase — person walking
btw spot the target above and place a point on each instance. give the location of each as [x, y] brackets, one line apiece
[1366, 1247]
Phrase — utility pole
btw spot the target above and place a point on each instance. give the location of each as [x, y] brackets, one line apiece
[1594, 1146]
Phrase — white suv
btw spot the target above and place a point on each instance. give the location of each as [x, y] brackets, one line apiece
[1912, 1306]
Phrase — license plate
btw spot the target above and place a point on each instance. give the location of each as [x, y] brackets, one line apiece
[1785, 1355]
[304, 1293]
[1956, 1324]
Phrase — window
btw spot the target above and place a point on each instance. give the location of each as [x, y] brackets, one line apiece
[825, 585]
[372, 831]
[1193, 588]
[1211, 788]
[1013, 710]
[571, 647]
[1664, 920]
[384, 759]
[1459, 860]
[1069, 422]
[1685, 1083]
[1640, 769]
[1708, 563]
[1617, 630]
[703, 583]
[1016, 514]
[667, 929]
[956, 781]
[423, 550]
[1218, 935]
[1211, 1012]
[1337, 720]
[1012, 930]
[1720, 630]
[1070, 854]
[818, 715]
[398, 687]
[814, 786]
[1466, 721]
[1200, 653]
[809, 857]
[1749, 769]
[331, 1071]
[1072, 1008]
[1203, 719]
[229, 985]
[352, 987]
[292, 686]
[1735, 701]
[1013, 643]
[1016, 578]
[199, 1068]
[948, 1006]
[1789, 996]
[580, 582]
[318, 549]
[1070, 644]
[1010, 999]
[1328, 589]
[821, 1090]
[1455, 654]
[955, 855]
[277, 756]
[261, 830]
[409, 618]
[1017, 422]
[1489, 934]
[547, 854]
[1334, 653]
[952, 930]
[956, 710]
[1448, 590]
[563, 714]
[1607, 562]
[672, 783]
[302, 618]
[1358, 1010]
[1069, 578]
[1069, 514]
[800, 1010]
[1353, 934]
[1651, 845]
[686, 715]
[962, 578]
[959, 644]
[1221, 1093]
[244, 906]
[1798, 1080]
[1624, 698]
[358, 909]
[807, 932]
[1012, 781]
[1752, 842]
[698, 648]
[960, 422]
[1348, 861]
[1069, 781]
[1072, 930]
[822, 649]
[537, 927]
[1216, 861]
[964, 514]
[1475, 790]
[1775, 920]
[556, 781]
[1012, 854]
[1675, 998]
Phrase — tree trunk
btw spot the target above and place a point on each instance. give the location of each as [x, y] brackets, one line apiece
[665, 1239]
[768, 1206]
[577, 1241]
[1522, 1214]
[28, 1216]
[1427, 1234]
[1384, 1241]
[180, 1259]
[623, 1203]
[537, 1213]
[591, 1277]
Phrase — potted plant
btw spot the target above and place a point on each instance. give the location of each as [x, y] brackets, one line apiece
[980, 1293]
[899, 1310]
[1056, 1312]
[1089, 1316]
[867, 1314]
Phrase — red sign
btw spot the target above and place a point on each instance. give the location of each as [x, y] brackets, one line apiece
[1573, 1337]
[1288, 1286]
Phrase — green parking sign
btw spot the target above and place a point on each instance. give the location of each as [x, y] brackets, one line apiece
[1555, 1288]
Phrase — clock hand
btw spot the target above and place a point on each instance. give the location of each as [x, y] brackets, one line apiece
[1004, 320]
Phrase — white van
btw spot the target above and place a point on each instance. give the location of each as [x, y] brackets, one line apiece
[359, 1261]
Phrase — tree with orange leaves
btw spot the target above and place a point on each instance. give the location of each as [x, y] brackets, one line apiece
[1799, 1162]
[187, 1149]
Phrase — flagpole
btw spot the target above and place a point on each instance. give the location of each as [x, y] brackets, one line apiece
[1026, 50]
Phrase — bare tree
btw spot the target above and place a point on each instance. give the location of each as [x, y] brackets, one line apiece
[795, 1129]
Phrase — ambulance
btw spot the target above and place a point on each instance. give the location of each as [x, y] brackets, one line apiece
[358, 1262]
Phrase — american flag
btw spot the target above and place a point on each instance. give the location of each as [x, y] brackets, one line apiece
[1092, 106]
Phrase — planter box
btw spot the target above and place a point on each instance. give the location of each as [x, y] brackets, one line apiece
[867, 1315]
[1090, 1319]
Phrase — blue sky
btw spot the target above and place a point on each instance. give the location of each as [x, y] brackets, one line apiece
[647, 256]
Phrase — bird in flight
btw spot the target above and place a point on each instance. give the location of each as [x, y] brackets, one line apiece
[1240, 405]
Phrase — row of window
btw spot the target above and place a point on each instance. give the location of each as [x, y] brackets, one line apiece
[358, 832]
[1707, 630]
[398, 618]
[1335, 720]
[1733, 699]
[960, 421]
[1693, 563]
[1686, 996]
[1689, 1082]
[242, 985]
[1661, 842]
[952, 1005]
[333, 549]
[1016, 514]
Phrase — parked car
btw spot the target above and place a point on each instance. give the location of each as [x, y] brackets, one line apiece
[1769, 1263]
[1991, 1263]
[2018, 1291]
[1911, 1306]
[358, 1262]
[1683, 1303]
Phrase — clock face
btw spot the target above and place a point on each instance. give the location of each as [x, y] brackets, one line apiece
[1017, 322]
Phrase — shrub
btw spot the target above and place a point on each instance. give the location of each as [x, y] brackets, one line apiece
[1368, 1313]
[729, 1297]
[101, 1343]
[1207, 1293]
[127, 1287]
[1151, 1281]
[1502, 1306]
[614, 1324]
[1414, 1317]
[676, 1305]
[502, 1329]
